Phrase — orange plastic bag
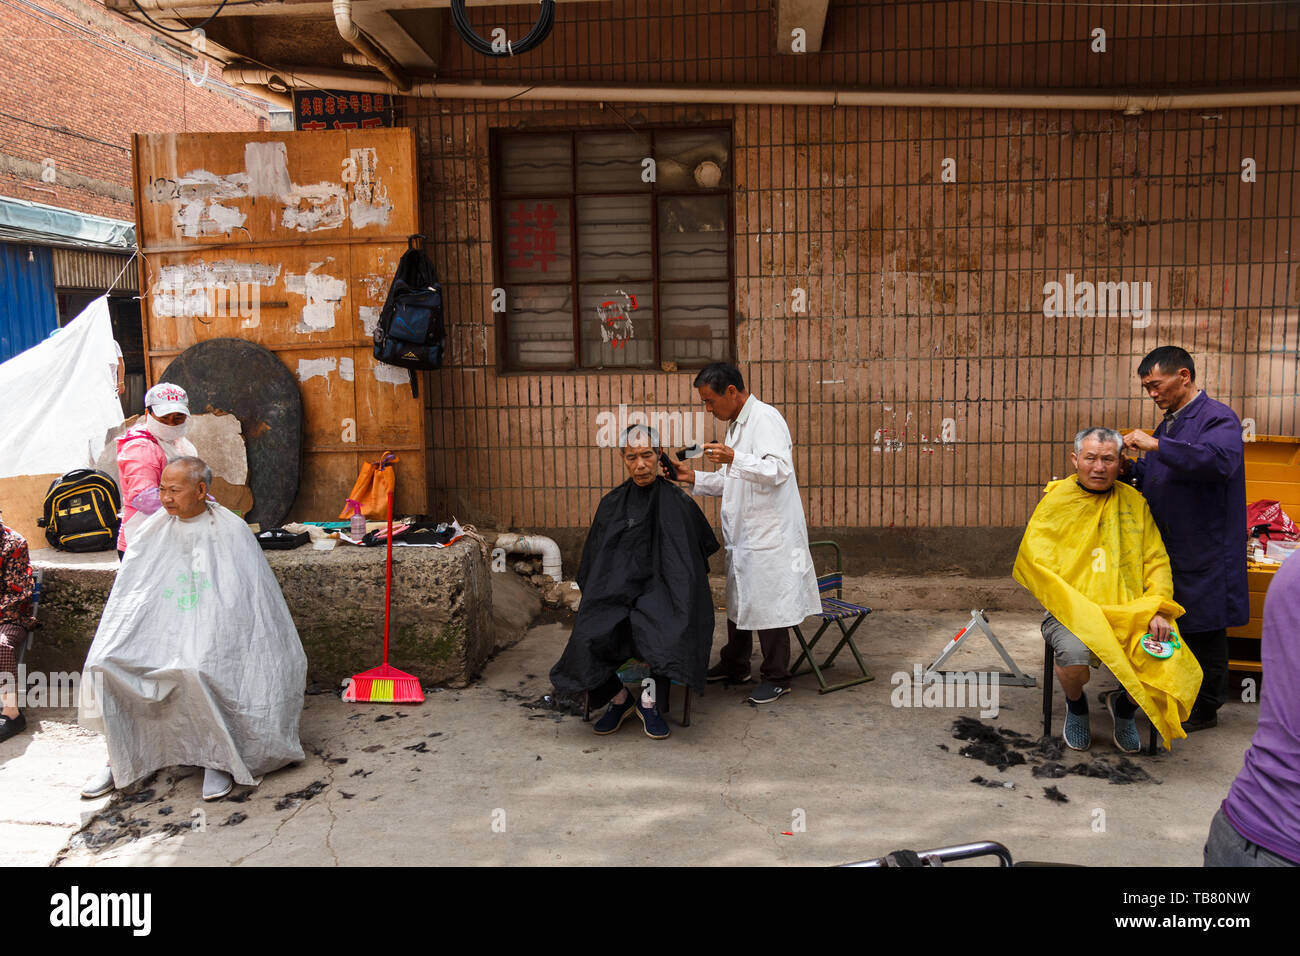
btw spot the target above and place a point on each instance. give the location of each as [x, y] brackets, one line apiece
[369, 496]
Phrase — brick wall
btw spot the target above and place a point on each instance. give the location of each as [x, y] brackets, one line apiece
[925, 298]
[925, 302]
[77, 82]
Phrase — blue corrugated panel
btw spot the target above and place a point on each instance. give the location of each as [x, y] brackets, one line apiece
[28, 310]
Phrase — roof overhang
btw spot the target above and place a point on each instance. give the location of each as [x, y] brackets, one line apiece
[24, 221]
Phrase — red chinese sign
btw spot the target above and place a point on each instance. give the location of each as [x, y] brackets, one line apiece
[530, 235]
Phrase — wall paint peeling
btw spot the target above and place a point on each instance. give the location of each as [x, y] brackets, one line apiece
[267, 165]
[323, 293]
[310, 368]
[369, 316]
[196, 195]
[390, 374]
[207, 288]
[370, 205]
[360, 196]
[313, 208]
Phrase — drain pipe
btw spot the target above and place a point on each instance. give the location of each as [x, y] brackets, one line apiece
[534, 544]
[1130, 103]
[374, 56]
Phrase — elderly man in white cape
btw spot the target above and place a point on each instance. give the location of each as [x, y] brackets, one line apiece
[196, 661]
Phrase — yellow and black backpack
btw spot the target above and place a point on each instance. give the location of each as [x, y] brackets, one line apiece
[81, 512]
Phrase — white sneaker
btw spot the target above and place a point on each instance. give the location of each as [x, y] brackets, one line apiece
[216, 784]
[98, 785]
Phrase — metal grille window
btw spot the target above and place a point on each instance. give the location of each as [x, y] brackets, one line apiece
[614, 248]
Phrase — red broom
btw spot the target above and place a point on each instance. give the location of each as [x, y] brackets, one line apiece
[384, 684]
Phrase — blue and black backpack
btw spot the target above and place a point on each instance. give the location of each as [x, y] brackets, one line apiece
[410, 332]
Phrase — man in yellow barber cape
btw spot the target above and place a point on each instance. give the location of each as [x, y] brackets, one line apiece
[1094, 558]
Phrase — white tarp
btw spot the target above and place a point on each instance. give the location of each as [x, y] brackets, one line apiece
[59, 398]
[196, 661]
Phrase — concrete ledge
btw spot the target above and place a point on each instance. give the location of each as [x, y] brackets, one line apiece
[442, 623]
[978, 552]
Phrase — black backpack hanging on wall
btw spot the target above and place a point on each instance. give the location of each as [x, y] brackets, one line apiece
[410, 332]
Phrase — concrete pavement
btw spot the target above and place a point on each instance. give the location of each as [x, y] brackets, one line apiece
[475, 776]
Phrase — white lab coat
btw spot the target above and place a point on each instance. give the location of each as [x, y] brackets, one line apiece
[770, 578]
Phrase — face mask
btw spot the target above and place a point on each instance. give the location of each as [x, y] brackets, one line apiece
[167, 433]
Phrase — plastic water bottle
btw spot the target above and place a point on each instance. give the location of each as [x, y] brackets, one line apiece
[357, 526]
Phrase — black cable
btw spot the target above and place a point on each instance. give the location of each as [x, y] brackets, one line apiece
[200, 26]
[541, 29]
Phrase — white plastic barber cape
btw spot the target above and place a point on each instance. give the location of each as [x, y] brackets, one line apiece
[770, 578]
[58, 398]
[196, 661]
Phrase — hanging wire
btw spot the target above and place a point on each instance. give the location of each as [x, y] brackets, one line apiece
[199, 26]
[541, 29]
[113, 284]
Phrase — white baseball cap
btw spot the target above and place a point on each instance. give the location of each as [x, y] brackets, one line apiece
[165, 398]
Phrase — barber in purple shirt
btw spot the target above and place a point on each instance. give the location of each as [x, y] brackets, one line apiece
[1259, 823]
[1194, 478]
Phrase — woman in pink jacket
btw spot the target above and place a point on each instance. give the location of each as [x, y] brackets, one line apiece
[144, 451]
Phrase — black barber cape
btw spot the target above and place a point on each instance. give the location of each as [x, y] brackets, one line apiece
[644, 577]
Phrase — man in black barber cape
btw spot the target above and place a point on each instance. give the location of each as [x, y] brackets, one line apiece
[644, 577]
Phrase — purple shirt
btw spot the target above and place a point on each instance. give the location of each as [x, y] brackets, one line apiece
[1195, 483]
[1263, 804]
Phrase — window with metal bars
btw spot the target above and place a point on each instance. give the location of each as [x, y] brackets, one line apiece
[614, 248]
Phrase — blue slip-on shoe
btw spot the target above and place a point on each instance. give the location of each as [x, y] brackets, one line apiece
[655, 725]
[1077, 734]
[1126, 737]
[614, 715]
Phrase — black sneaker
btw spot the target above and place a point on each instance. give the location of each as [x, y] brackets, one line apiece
[766, 693]
[1195, 722]
[720, 672]
[614, 715]
[655, 725]
[11, 726]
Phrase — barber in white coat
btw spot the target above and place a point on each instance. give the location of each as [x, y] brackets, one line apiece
[771, 584]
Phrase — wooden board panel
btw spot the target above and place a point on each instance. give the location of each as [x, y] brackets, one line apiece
[290, 240]
[23, 499]
[303, 297]
[1272, 472]
[223, 189]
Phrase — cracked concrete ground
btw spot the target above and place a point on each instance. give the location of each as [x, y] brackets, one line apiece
[475, 777]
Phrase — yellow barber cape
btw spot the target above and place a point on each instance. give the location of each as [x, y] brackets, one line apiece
[1098, 564]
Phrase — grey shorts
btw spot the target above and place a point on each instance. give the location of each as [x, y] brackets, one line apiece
[1070, 651]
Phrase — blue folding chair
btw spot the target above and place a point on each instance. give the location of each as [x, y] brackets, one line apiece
[838, 610]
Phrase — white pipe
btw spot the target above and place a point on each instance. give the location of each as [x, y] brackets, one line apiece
[534, 544]
[1126, 102]
[378, 58]
[283, 100]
